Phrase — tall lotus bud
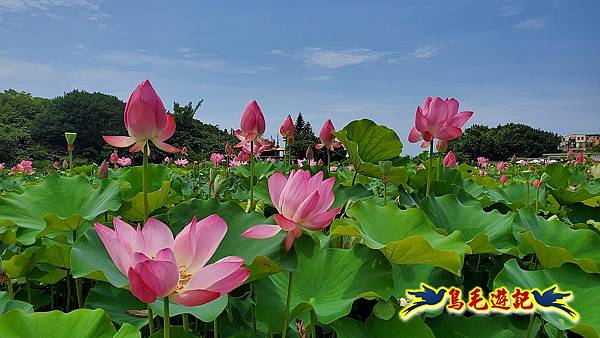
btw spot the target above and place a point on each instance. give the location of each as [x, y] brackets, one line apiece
[310, 154]
[55, 165]
[325, 134]
[503, 179]
[450, 160]
[287, 129]
[229, 149]
[513, 159]
[145, 120]
[65, 164]
[252, 124]
[570, 154]
[114, 157]
[580, 158]
[103, 170]
[537, 183]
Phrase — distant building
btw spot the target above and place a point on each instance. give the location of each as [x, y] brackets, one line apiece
[582, 142]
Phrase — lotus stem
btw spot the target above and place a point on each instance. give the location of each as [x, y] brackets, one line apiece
[28, 286]
[328, 161]
[384, 192]
[79, 292]
[216, 327]
[429, 169]
[51, 297]
[286, 313]
[439, 168]
[166, 318]
[251, 192]
[186, 321]
[537, 200]
[253, 309]
[70, 162]
[68, 306]
[530, 326]
[145, 180]
[9, 288]
[354, 177]
[313, 323]
[150, 320]
[527, 194]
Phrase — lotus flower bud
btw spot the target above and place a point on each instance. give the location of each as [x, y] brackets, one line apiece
[450, 160]
[287, 129]
[513, 159]
[503, 179]
[103, 170]
[65, 164]
[310, 154]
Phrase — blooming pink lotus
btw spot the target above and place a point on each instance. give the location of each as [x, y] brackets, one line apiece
[55, 165]
[252, 125]
[310, 162]
[438, 119]
[25, 167]
[302, 202]
[501, 166]
[159, 266]
[184, 151]
[258, 148]
[145, 120]
[450, 160]
[328, 140]
[216, 158]
[483, 162]
[287, 129]
[182, 162]
[570, 154]
[124, 161]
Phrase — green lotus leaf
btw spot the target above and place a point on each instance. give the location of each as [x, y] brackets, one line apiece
[56, 324]
[485, 232]
[133, 209]
[6, 304]
[566, 189]
[132, 178]
[404, 236]
[344, 194]
[350, 328]
[378, 328]
[119, 303]
[555, 243]
[451, 326]
[569, 277]
[514, 195]
[20, 264]
[90, 259]
[326, 280]
[368, 143]
[407, 277]
[57, 204]
[581, 213]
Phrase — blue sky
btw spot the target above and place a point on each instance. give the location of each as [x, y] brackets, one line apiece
[534, 62]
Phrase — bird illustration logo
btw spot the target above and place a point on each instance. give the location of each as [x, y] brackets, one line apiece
[552, 299]
[426, 297]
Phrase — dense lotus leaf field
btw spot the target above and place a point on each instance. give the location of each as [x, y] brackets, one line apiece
[395, 222]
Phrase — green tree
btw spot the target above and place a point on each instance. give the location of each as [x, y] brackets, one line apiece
[17, 110]
[90, 115]
[501, 142]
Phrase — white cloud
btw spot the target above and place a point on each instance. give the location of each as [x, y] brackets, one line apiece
[535, 23]
[185, 50]
[319, 78]
[192, 62]
[19, 70]
[276, 51]
[424, 52]
[338, 58]
[54, 8]
[511, 10]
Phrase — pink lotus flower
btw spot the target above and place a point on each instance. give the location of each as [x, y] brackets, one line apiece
[229, 149]
[252, 125]
[124, 161]
[580, 158]
[114, 156]
[450, 160]
[103, 170]
[438, 119]
[158, 265]
[167, 160]
[258, 148]
[65, 164]
[272, 160]
[537, 183]
[501, 166]
[1, 166]
[483, 162]
[243, 156]
[302, 202]
[522, 162]
[328, 140]
[235, 162]
[182, 162]
[287, 129]
[145, 120]
[570, 154]
[216, 158]
[55, 165]
[503, 179]
[483, 172]
[25, 167]
[311, 163]
[184, 151]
